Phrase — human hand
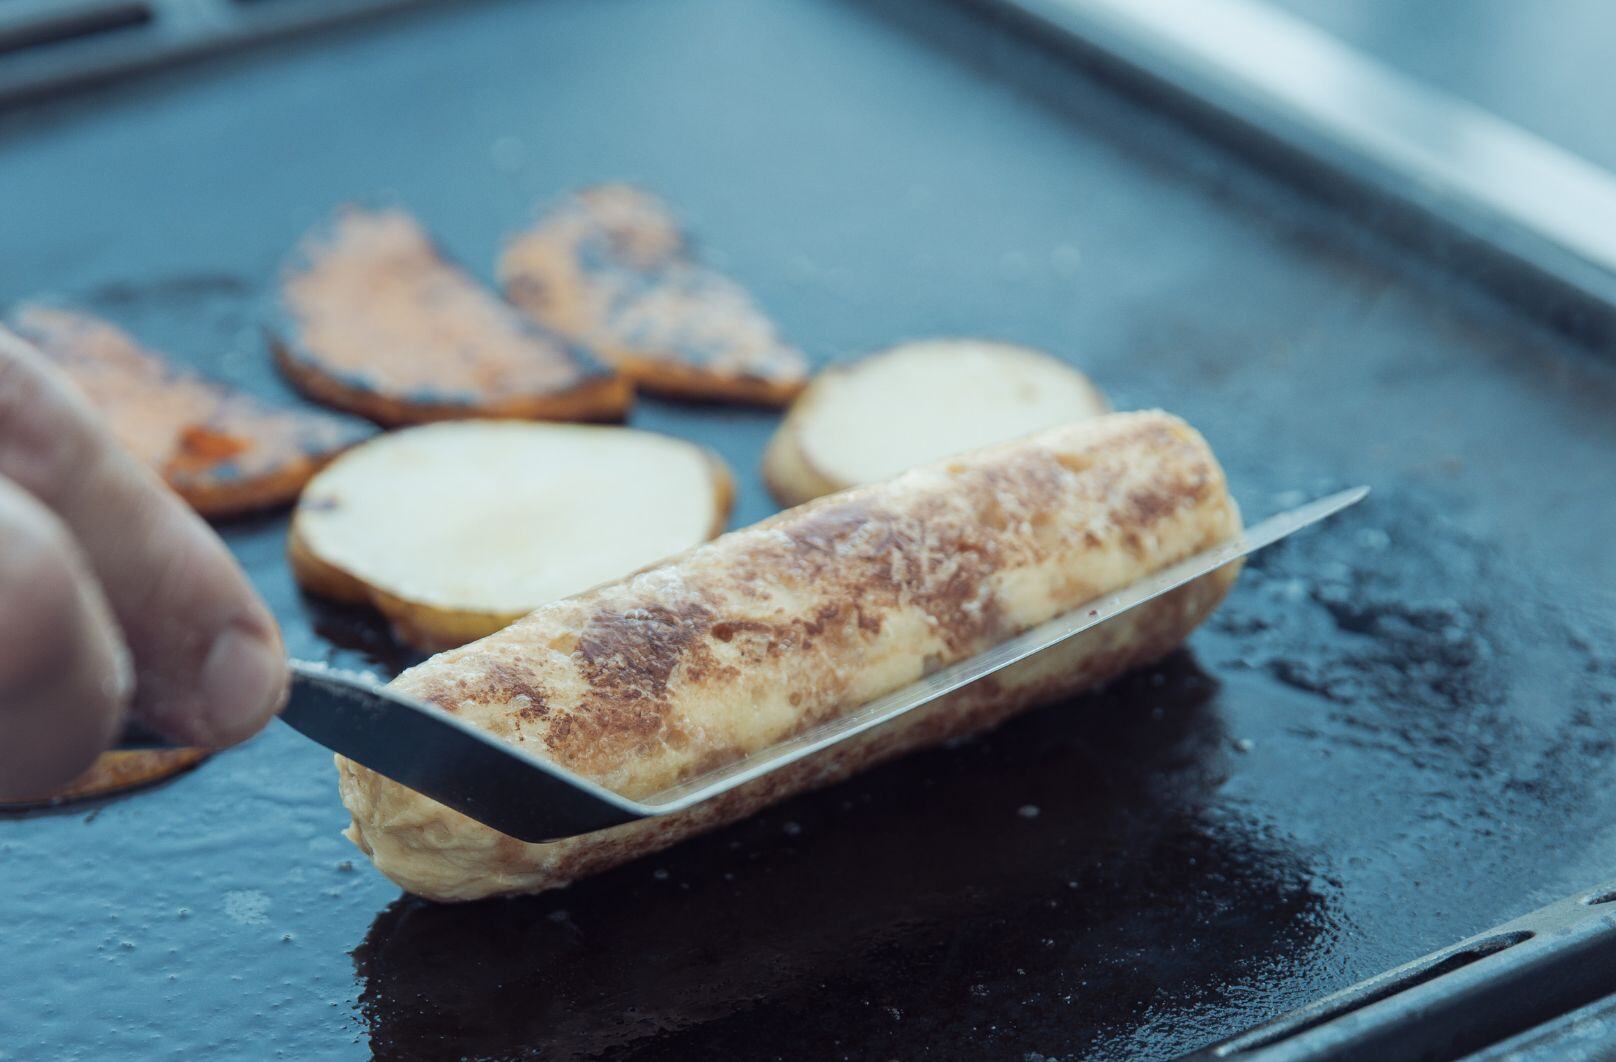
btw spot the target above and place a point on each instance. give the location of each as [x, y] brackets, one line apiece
[115, 599]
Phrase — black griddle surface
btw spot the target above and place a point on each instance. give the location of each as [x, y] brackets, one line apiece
[1395, 734]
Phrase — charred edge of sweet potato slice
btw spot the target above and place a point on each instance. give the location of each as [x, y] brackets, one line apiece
[224, 451]
[221, 493]
[606, 399]
[115, 773]
[609, 267]
[694, 384]
[392, 385]
[212, 466]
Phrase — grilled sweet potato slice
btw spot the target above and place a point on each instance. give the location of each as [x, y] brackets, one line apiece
[223, 451]
[377, 321]
[610, 268]
[916, 403]
[116, 772]
[453, 531]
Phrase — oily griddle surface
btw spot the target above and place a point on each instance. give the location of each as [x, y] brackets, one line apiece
[1394, 734]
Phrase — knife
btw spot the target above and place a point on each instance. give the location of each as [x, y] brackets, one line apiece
[500, 785]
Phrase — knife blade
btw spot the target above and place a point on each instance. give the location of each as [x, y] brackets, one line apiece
[503, 786]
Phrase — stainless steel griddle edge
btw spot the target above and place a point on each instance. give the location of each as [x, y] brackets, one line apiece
[1527, 974]
[1508, 197]
[524, 796]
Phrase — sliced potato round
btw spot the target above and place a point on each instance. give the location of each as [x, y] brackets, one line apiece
[455, 530]
[118, 771]
[916, 403]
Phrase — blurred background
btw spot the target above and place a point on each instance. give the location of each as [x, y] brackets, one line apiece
[1540, 67]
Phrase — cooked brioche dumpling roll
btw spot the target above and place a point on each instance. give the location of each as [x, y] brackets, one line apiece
[744, 641]
[454, 530]
[916, 403]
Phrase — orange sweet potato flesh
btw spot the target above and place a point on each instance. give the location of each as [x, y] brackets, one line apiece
[377, 321]
[223, 451]
[116, 772]
[609, 268]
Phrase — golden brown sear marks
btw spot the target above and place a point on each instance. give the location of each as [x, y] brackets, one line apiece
[116, 772]
[378, 321]
[744, 641]
[608, 267]
[223, 451]
[844, 563]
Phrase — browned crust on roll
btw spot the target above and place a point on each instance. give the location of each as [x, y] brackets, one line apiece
[224, 452]
[609, 268]
[119, 771]
[766, 631]
[376, 320]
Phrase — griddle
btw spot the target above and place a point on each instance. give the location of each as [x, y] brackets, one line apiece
[1396, 733]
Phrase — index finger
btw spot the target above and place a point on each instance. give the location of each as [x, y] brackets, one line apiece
[209, 667]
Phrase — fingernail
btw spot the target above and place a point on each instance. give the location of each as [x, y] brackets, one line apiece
[243, 680]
